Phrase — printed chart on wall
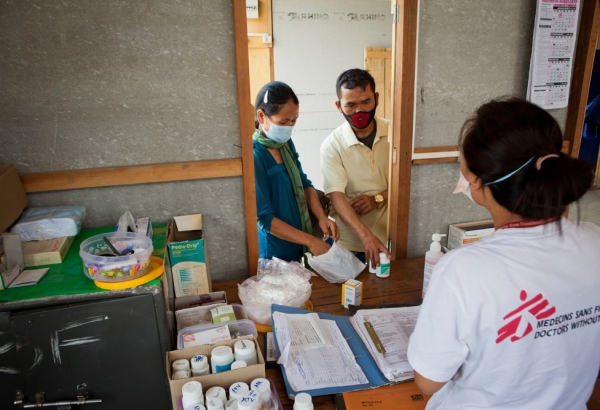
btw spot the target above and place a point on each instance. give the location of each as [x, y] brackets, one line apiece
[554, 38]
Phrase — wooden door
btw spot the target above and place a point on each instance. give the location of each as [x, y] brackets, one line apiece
[378, 62]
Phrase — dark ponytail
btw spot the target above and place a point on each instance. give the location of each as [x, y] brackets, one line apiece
[501, 137]
[279, 94]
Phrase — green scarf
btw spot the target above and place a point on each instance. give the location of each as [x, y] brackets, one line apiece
[294, 174]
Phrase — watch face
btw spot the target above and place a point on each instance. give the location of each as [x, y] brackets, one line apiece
[378, 198]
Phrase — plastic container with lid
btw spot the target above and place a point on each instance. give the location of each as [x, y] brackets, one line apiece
[238, 390]
[101, 264]
[245, 350]
[250, 401]
[263, 386]
[383, 270]
[221, 358]
[191, 394]
[432, 256]
[217, 392]
[237, 329]
[180, 364]
[238, 364]
[303, 401]
[214, 404]
[200, 365]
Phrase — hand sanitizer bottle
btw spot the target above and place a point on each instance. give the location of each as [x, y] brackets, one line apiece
[432, 256]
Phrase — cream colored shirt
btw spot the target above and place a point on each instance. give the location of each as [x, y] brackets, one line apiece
[352, 168]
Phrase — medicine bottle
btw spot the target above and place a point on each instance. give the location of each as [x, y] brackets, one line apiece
[303, 401]
[250, 401]
[216, 392]
[432, 256]
[214, 404]
[263, 386]
[238, 390]
[200, 365]
[180, 364]
[221, 358]
[232, 404]
[191, 394]
[238, 364]
[182, 374]
[245, 350]
[383, 270]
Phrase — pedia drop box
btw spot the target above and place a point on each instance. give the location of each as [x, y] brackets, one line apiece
[469, 232]
[186, 253]
[351, 293]
[223, 379]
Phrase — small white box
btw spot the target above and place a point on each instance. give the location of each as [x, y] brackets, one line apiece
[351, 293]
[469, 232]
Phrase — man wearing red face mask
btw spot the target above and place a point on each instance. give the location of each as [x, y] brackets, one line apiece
[355, 163]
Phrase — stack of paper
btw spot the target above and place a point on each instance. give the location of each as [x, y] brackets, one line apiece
[393, 327]
[314, 353]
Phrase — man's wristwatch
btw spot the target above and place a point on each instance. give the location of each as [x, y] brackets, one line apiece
[379, 199]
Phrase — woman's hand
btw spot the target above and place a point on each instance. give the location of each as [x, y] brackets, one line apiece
[318, 247]
[329, 228]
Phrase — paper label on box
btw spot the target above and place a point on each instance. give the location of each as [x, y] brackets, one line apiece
[207, 337]
[222, 314]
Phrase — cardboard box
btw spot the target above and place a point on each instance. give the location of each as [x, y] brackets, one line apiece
[186, 254]
[224, 379]
[13, 266]
[469, 232]
[14, 198]
[351, 293]
[48, 252]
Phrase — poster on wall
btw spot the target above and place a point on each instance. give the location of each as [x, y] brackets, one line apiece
[554, 37]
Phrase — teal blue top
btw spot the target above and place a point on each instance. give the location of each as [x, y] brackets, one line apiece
[275, 198]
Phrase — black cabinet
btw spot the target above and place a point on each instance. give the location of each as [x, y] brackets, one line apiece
[113, 342]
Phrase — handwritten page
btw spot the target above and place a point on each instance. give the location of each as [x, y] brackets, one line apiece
[393, 326]
[306, 332]
[320, 367]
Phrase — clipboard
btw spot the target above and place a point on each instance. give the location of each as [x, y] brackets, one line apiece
[361, 352]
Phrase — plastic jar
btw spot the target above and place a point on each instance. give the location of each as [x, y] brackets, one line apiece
[250, 401]
[263, 386]
[221, 358]
[232, 404]
[245, 350]
[214, 403]
[182, 374]
[383, 270]
[180, 364]
[303, 401]
[238, 390]
[200, 365]
[191, 394]
[216, 392]
[238, 364]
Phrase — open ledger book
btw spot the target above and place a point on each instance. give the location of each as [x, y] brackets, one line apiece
[326, 354]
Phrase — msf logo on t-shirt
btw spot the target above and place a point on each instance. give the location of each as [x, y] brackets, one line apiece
[524, 317]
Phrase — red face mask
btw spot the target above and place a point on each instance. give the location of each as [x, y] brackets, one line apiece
[361, 119]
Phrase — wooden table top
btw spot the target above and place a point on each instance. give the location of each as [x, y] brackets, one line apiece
[402, 286]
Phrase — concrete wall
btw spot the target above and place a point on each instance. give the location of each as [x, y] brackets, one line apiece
[90, 84]
[467, 54]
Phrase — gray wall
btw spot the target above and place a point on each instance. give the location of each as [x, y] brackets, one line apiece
[467, 54]
[90, 84]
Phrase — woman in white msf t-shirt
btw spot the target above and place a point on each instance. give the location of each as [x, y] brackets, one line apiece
[513, 321]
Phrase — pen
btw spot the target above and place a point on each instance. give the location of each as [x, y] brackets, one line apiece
[375, 338]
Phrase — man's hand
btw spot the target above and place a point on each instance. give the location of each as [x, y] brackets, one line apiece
[363, 204]
[329, 228]
[372, 247]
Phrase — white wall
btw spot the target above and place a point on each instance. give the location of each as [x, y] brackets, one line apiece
[313, 42]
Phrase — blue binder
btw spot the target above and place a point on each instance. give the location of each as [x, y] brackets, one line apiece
[363, 356]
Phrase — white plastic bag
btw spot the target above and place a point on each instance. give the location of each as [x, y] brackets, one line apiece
[337, 265]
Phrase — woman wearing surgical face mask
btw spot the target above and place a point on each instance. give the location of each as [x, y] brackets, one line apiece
[513, 321]
[284, 195]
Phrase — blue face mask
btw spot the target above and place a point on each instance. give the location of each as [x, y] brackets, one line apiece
[279, 133]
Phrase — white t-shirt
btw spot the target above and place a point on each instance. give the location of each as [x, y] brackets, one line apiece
[514, 321]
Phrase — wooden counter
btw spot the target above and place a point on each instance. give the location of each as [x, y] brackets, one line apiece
[402, 286]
